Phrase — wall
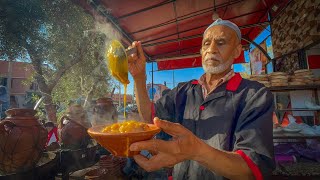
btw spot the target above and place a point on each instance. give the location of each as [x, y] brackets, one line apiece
[297, 27]
[20, 72]
[18, 86]
[19, 69]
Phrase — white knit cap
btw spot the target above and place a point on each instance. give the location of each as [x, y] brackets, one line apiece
[230, 24]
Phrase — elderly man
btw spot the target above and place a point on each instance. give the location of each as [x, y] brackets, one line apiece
[220, 125]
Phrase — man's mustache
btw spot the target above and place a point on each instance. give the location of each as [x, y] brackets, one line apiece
[212, 57]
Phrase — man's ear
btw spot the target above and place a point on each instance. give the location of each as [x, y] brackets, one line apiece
[237, 51]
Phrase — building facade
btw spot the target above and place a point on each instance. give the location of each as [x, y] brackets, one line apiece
[19, 88]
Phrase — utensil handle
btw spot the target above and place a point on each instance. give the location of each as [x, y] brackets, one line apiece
[131, 51]
[38, 103]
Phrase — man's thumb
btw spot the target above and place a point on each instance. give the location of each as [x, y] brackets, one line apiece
[173, 129]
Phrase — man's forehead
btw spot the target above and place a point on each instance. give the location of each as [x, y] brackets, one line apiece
[220, 31]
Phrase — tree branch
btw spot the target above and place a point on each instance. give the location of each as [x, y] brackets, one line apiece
[89, 94]
[37, 65]
[74, 61]
[81, 83]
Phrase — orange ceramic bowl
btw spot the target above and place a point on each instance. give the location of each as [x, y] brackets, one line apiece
[118, 143]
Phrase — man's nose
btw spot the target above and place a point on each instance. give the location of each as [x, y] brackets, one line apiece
[213, 48]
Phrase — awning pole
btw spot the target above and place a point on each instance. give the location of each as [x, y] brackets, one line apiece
[173, 78]
[152, 93]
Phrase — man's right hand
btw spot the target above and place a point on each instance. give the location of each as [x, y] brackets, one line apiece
[183, 146]
[137, 61]
[137, 68]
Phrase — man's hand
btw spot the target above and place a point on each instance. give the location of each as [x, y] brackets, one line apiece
[137, 68]
[184, 145]
[137, 61]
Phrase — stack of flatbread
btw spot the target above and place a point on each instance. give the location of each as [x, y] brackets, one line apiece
[279, 79]
[262, 78]
[302, 77]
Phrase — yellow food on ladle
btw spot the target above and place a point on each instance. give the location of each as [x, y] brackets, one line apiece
[117, 62]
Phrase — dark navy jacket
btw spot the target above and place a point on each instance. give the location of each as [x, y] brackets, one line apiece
[237, 116]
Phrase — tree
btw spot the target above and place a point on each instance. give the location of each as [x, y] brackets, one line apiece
[88, 79]
[50, 34]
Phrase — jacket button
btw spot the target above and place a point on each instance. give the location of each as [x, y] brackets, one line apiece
[202, 108]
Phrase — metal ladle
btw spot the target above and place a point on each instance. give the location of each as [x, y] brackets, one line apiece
[117, 57]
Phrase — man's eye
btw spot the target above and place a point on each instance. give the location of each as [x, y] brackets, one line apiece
[206, 43]
[220, 43]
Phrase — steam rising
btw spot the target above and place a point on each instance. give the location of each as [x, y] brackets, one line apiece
[107, 29]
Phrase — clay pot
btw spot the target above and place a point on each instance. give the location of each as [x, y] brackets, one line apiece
[22, 140]
[77, 114]
[74, 132]
[104, 112]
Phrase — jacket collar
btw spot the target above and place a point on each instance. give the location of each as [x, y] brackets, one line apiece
[232, 85]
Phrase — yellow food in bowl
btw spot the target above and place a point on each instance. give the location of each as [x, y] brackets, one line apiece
[126, 127]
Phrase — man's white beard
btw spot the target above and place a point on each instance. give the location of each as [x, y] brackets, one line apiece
[218, 69]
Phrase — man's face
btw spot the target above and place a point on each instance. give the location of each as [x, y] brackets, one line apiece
[220, 46]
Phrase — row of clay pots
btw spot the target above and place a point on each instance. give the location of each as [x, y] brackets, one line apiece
[23, 138]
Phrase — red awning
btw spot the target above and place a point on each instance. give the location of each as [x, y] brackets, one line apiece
[172, 29]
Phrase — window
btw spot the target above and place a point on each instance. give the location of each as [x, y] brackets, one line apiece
[3, 81]
[34, 86]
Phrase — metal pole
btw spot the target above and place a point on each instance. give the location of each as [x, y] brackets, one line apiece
[173, 79]
[273, 62]
[152, 81]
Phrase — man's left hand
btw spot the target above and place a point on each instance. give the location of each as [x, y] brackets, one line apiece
[184, 145]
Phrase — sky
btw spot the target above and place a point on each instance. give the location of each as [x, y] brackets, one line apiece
[173, 77]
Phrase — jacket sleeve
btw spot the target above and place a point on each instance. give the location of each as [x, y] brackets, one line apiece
[254, 135]
[165, 107]
[170, 106]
